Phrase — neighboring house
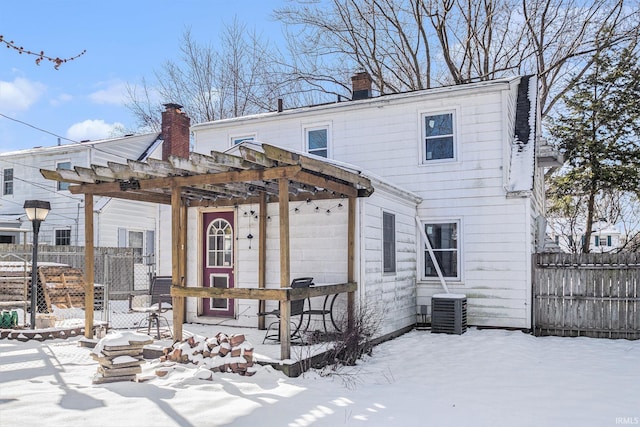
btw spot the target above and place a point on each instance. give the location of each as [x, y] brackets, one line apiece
[605, 237]
[119, 223]
[465, 156]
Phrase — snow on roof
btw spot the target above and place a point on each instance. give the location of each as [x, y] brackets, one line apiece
[523, 146]
[81, 145]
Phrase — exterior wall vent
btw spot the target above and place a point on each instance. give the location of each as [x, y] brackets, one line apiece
[449, 314]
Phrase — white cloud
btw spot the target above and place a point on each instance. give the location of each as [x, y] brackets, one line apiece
[63, 98]
[19, 94]
[93, 130]
[115, 93]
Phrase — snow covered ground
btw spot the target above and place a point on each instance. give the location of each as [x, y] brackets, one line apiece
[481, 378]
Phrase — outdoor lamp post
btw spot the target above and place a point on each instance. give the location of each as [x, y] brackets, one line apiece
[37, 211]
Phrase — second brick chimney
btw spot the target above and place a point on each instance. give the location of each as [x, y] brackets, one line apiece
[175, 132]
[361, 85]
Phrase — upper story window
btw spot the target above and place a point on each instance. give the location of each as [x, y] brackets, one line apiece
[7, 182]
[443, 238]
[438, 137]
[389, 242]
[63, 165]
[317, 141]
[237, 139]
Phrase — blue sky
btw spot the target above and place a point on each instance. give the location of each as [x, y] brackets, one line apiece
[125, 41]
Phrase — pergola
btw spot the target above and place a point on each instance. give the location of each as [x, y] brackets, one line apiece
[260, 174]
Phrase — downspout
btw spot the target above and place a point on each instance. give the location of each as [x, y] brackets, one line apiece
[432, 255]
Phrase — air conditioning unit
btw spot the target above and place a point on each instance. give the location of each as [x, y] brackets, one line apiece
[449, 314]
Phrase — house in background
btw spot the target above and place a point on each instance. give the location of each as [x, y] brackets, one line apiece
[605, 237]
[118, 223]
[467, 155]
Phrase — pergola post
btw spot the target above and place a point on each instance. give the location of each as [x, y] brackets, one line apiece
[285, 260]
[351, 254]
[262, 256]
[89, 275]
[176, 260]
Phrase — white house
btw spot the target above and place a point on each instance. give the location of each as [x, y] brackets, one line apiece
[119, 223]
[459, 167]
[465, 155]
[605, 237]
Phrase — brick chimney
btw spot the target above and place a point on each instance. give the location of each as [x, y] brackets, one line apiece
[175, 132]
[361, 85]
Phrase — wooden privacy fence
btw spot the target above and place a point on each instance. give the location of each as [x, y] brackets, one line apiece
[594, 295]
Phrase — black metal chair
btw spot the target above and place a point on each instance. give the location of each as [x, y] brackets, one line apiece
[297, 310]
[159, 301]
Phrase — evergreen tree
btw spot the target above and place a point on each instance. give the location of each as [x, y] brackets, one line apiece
[599, 135]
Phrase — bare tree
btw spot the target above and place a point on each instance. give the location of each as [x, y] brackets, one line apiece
[417, 44]
[239, 76]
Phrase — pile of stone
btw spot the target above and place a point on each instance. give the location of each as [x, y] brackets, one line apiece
[120, 356]
[221, 353]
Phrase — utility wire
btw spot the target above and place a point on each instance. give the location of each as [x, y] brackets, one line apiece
[37, 128]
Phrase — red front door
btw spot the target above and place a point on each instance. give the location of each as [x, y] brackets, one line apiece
[218, 228]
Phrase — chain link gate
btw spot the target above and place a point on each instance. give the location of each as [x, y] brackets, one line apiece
[119, 274]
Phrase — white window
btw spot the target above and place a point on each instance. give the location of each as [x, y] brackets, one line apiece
[142, 243]
[7, 182]
[317, 140]
[237, 139]
[443, 237]
[438, 136]
[63, 165]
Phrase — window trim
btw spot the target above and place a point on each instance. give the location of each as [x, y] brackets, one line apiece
[459, 250]
[244, 136]
[391, 269]
[63, 186]
[4, 182]
[317, 126]
[455, 114]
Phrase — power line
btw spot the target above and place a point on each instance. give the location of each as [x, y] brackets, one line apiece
[37, 128]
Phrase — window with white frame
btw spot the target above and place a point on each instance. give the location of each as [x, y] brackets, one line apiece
[389, 242]
[317, 141]
[7, 182]
[63, 237]
[443, 237]
[63, 165]
[438, 136]
[237, 139]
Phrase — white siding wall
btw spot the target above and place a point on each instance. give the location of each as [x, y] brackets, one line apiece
[392, 296]
[383, 136]
[319, 250]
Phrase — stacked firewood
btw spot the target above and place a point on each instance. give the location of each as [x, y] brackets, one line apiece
[120, 356]
[221, 353]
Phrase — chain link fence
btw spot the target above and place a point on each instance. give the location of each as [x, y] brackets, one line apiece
[119, 274]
